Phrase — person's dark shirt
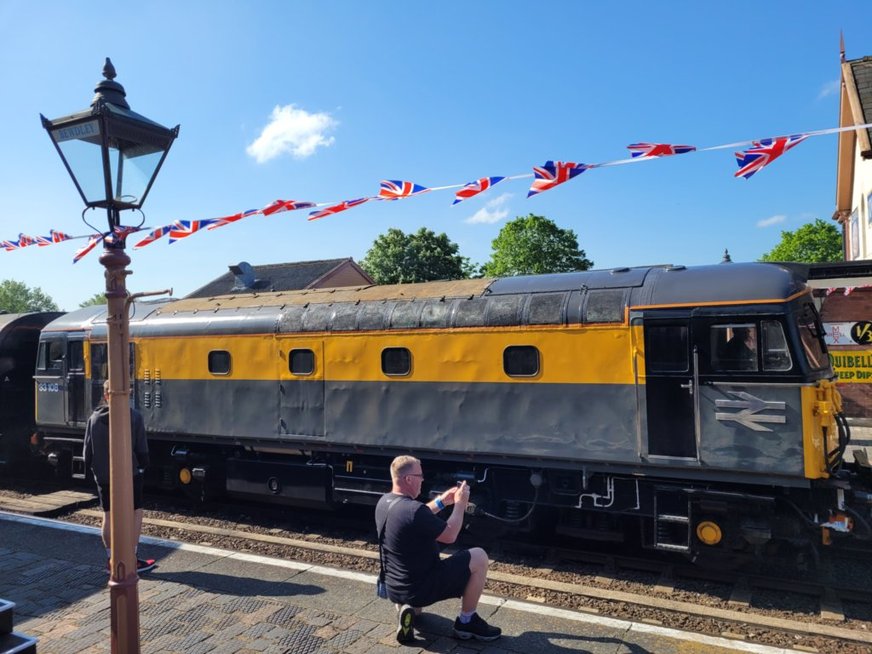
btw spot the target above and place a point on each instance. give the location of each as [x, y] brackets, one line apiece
[96, 445]
[410, 546]
[738, 355]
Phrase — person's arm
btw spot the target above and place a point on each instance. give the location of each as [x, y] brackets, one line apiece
[445, 499]
[455, 521]
[86, 446]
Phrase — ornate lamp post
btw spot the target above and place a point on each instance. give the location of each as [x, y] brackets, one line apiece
[113, 156]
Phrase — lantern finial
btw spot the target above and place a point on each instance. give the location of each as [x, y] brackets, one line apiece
[108, 90]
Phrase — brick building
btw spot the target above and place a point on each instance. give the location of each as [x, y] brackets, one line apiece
[847, 300]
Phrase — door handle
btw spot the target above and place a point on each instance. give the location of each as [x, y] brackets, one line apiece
[688, 386]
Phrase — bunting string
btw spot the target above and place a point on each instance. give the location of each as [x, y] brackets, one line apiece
[755, 154]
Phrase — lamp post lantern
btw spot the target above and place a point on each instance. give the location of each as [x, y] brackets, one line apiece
[113, 156]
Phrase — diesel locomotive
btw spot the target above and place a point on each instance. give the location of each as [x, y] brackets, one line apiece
[602, 404]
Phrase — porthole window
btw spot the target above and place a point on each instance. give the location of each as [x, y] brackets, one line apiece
[521, 361]
[302, 362]
[396, 361]
[219, 362]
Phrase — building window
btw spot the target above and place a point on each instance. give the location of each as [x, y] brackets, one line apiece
[869, 208]
[396, 361]
[219, 362]
[521, 361]
[302, 362]
[855, 234]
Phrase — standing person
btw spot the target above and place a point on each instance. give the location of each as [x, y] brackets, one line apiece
[96, 455]
[410, 533]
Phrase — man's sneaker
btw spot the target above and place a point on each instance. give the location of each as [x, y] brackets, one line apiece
[405, 624]
[476, 628]
[144, 565]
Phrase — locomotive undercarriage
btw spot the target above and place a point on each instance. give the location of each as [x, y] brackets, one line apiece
[699, 520]
[693, 519]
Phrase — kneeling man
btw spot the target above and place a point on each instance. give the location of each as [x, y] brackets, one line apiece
[410, 533]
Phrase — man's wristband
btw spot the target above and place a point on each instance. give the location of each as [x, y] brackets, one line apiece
[439, 503]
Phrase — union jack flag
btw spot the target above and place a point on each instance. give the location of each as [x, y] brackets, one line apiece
[764, 152]
[58, 237]
[285, 205]
[24, 240]
[554, 173]
[394, 189]
[9, 245]
[153, 235]
[184, 228]
[92, 243]
[226, 220]
[42, 241]
[644, 150]
[336, 208]
[120, 234]
[474, 188]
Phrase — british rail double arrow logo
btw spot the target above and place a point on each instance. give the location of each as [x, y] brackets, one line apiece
[750, 406]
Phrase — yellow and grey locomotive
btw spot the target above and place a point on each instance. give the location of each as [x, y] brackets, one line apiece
[695, 403]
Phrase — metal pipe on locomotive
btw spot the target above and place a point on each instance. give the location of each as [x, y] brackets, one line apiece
[601, 404]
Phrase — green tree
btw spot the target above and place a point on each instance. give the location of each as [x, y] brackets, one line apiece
[97, 298]
[815, 242]
[530, 245]
[16, 297]
[399, 258]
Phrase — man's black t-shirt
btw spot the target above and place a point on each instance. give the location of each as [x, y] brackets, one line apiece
[410, 547]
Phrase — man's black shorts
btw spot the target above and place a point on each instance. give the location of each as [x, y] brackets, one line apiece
[447, 580]
[103, 492]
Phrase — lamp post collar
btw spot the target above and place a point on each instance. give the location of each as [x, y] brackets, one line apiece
[108, 90]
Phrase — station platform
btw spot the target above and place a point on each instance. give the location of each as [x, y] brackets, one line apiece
[203, 600]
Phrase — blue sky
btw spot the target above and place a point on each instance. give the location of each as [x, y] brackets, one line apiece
[319, 101]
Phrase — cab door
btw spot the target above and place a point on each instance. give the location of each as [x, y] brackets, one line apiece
[51, 406]
[670, 388]
[76, 412]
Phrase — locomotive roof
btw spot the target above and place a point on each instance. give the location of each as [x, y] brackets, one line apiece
[722, 283]
[590, 296]
[32, 320]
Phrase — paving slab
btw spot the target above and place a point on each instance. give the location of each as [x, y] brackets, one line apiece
[203, 600]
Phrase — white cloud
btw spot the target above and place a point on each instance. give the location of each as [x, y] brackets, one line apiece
[830, 88]
[292, 131]
[493, 212]
[772, 220]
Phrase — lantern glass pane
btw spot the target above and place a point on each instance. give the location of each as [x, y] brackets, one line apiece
[135, 165]
[80, 146]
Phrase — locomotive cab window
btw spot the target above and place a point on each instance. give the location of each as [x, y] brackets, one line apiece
[666, 348]
[302, 362]
[521, 361]
[734, 347]
[811, 332]
[776, 354]
[396, 361]
[50, 358]
[219, 362]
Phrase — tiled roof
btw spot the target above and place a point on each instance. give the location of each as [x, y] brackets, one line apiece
[271, 277]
